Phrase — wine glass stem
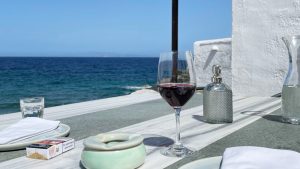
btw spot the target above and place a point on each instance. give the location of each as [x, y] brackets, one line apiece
[178, 144]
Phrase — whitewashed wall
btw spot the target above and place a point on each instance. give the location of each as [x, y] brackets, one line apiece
[210, 52]
[260, 59]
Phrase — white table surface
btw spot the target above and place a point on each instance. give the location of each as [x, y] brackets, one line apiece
[194, 133]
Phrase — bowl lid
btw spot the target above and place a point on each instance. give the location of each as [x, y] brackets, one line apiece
[112, 141]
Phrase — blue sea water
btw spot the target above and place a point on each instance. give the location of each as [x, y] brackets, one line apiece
[64, 80]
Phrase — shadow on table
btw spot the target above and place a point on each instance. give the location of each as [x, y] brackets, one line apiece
[157, 141]
[199, 118]
[81, 165]
[275, 118]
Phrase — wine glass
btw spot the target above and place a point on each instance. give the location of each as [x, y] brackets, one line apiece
[176, 84]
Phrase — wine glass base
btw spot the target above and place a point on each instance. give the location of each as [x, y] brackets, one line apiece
[173, 151]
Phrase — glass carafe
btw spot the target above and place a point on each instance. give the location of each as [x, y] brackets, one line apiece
[291, 88]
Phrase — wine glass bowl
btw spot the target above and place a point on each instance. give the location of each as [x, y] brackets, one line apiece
[177, 84]
[176, 94]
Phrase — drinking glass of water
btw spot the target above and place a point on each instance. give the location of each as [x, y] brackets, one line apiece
[32, 107]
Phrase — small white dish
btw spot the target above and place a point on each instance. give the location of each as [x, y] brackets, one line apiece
[205, 163]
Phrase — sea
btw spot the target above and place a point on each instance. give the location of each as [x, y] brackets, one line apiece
[65, 80]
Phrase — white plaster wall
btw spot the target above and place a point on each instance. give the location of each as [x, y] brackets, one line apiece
[210, 52]
[260, 59]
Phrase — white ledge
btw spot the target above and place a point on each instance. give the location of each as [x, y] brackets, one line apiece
[75, 109]
[212, 41]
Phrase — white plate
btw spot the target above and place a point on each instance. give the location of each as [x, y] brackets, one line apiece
[205, 163]
[60, 131]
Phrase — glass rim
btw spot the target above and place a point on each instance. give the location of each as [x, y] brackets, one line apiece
[32, 99]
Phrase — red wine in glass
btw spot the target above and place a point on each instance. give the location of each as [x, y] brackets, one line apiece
[176, 83]
[176, 94]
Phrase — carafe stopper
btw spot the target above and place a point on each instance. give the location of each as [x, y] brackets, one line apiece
[216, 70]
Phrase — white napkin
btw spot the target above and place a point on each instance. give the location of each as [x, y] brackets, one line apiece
[259, 158]
[26, 128]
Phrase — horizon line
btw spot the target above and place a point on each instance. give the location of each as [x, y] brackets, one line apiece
[79, 56]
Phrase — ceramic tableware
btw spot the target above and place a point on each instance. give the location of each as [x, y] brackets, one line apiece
[113, 151]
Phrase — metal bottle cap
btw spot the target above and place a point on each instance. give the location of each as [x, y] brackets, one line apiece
[216, 70]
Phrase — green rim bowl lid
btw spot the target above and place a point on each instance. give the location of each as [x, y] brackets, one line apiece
[112, 141]
[113, 151]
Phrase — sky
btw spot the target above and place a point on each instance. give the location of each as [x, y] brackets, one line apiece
[107, 27]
